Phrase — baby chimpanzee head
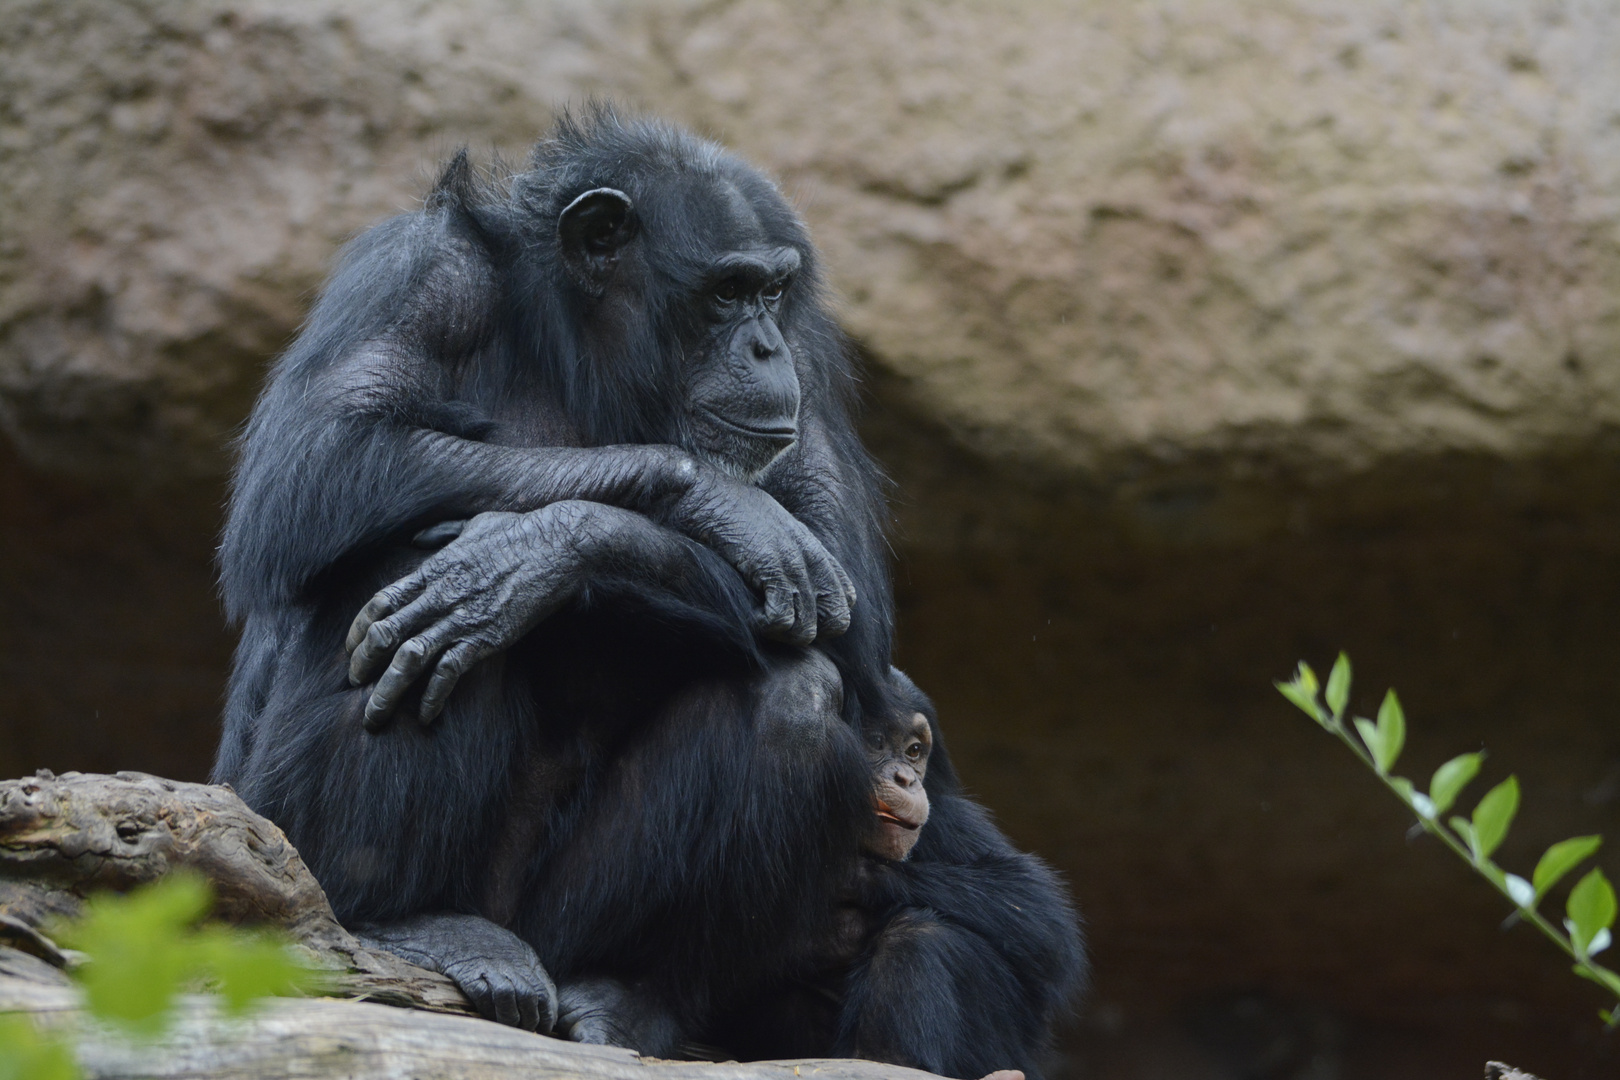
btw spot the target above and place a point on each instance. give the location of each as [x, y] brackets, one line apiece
[897, 745]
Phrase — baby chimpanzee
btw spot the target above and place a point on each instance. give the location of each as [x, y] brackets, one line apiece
[948, 949]
[801, 1018]
[805, 1013]
[898, 745]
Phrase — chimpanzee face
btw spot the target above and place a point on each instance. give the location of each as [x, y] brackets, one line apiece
[743, 391]
[723, 298]
[898, 751]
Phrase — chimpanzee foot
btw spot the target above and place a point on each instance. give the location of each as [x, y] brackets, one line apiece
[496, 969]
[609, 1013]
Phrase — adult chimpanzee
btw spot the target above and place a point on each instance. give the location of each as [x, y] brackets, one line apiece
[618, 365]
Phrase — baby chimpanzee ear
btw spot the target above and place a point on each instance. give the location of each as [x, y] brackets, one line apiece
[591, 231]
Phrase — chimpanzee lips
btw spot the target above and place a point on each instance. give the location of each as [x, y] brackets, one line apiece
[777, 431]
[887, 815]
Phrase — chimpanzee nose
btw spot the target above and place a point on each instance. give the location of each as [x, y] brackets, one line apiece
[767, 339]
[903, 778]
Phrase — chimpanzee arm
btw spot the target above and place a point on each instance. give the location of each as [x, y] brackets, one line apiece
[360, 436]
[501, 577]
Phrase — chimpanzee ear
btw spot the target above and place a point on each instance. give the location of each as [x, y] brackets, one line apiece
[591, 231]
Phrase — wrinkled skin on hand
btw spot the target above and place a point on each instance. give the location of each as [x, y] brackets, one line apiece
[806, 593]
[475, 597]
[496, 969]
[501, 574]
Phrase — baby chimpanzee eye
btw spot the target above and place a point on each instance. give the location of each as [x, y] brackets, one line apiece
[914, 751]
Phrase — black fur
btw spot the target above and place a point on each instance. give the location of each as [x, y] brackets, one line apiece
[958, 960]
[635, 788]
[454, 320]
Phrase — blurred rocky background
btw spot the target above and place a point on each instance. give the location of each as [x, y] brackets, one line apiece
[1201, 337]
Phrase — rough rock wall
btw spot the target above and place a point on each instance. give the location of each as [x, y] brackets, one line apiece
[1084, 237]
[1202, 336]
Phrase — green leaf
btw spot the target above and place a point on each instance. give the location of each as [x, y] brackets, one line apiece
[1301, 690]
[1591, 908]
[1306, 678]
[1560, 859]
[250, 966]
[1493, 815]
[1300, 697]
[1450, 778]
[139, 950]
[26, 1053]
[1374, 739]
[1391, 731]
[1465, 829]
[1338, 685]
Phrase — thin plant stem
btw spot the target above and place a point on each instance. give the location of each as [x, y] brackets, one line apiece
[1306, 686]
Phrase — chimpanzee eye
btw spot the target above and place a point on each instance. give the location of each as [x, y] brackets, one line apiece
[875, 741]
[726, 292]
[773, 292]
[914, 751]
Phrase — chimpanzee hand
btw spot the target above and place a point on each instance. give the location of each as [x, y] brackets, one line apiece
[496, 969]
[476, 597]
[806, 593]
[606, 1012]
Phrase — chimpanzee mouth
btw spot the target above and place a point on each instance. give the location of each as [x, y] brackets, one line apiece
[784, 432]
[894, 819]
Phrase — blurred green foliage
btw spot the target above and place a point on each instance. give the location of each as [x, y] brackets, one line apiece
[141, 950]
[1590, 908]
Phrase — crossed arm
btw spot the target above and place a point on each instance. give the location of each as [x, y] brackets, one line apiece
[361, 438]
[500, 576]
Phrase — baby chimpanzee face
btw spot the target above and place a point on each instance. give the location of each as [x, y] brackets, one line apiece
[898, 749]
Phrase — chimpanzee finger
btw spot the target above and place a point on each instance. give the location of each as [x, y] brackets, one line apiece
[437, 536]
[450, 668]
[832, 596]
[481, 992]
[385, 603]
[504, 997]
[384, 636]
[528, 1010]
[410, 661]
[374, 651]
[783, 616]
[833, 613]
[804, 599]
[777, 616]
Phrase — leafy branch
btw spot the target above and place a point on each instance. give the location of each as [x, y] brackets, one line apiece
[135, 953]
[1590, 909]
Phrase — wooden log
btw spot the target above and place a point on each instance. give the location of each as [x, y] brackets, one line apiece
[62, 837]
[354, 1040]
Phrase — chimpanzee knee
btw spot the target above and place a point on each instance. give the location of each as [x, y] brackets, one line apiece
[799, 704]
